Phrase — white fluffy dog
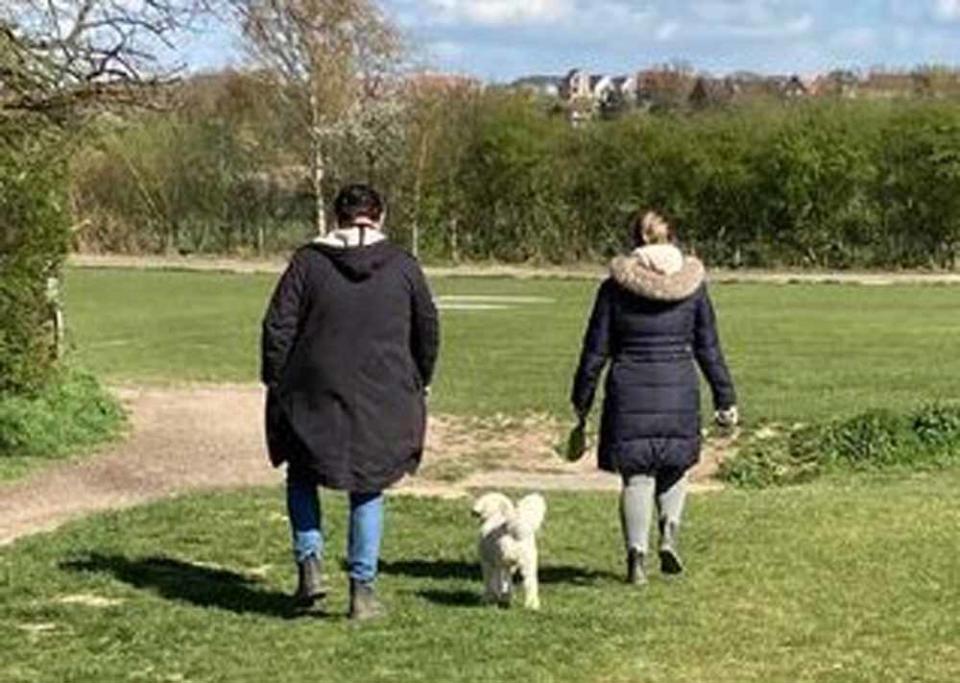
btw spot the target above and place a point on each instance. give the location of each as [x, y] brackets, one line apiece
[508, 545]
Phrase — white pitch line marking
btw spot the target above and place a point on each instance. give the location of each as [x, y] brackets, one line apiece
[493, 299]
[471, 307]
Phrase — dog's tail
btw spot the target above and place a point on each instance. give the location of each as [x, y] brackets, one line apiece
[528, 517]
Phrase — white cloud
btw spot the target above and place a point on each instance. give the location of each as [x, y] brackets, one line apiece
[750, 12]
[749, 19]
[446, 49]
[667, 31]
[855, 38]
[947, 10]
[504, 12]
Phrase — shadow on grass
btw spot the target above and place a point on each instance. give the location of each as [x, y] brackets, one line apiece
[186, 582]
[454, 598]
[470, 571]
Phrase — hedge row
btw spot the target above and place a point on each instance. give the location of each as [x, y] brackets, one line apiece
[498, 176]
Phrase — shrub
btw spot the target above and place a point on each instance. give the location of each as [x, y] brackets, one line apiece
[71, 413]
[33, 244]
[926, 438]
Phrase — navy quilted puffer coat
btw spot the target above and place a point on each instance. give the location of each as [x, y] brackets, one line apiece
[654, 329]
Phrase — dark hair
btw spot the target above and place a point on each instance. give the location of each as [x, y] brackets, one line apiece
[357, 201]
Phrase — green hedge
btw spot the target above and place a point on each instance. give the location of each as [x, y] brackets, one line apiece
[926, 438]
[34, 238]
[495, 175]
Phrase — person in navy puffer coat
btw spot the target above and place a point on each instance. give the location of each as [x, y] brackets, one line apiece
[654, 323]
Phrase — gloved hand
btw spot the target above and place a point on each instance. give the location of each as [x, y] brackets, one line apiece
[576, 444]
[727, 418]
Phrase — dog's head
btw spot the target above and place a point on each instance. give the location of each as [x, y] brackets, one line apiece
[491, 504]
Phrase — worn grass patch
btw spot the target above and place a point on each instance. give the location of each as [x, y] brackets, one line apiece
[840, 581]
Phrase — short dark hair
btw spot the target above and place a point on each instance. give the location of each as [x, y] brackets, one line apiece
[357, 201]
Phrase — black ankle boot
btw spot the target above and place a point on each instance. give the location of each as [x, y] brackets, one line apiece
[310, 586]
[363, 602]
[635, 573]
[670, 562]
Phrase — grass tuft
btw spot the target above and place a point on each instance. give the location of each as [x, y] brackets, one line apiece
[927, 438]
[72, 414]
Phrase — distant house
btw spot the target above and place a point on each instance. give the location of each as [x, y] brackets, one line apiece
[838, 83]
[627, 88]
[793, 88]
[710, 92]
[548, 86]
[602, 88]
[576, 85]
[664, 86]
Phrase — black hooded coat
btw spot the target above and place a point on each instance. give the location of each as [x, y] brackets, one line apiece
[654, 330]
[349, 344]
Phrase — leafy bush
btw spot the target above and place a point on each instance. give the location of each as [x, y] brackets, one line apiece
[876, 440]
[71, 413]
[34, 238]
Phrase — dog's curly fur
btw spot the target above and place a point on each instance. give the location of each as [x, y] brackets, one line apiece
[508, 546]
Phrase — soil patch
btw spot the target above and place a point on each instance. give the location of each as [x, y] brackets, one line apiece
[202, 438]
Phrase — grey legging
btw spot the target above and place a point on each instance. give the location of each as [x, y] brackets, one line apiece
[636, 508]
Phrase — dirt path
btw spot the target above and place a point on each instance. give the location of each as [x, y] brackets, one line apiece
[276, 265]
[208, 438]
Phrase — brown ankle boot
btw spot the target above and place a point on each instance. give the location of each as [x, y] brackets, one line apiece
[364, 604]
[310, 587]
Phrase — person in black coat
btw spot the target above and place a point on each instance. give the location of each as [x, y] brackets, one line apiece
[653, 321]
[349, 344]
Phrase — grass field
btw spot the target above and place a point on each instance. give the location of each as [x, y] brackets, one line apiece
[798, 352]
[851, 579]
[854, 581]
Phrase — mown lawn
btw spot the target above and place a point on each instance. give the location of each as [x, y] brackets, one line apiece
[839, 581]
[798, 352]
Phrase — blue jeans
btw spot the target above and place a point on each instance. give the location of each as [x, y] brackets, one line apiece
[366, 528]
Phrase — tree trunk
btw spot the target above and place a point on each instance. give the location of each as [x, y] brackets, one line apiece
[418, 192]
[317, 165]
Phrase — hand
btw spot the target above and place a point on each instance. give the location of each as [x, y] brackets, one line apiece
[727, 417]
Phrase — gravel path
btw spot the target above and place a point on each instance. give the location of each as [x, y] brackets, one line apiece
[276, 265]
[203, 438]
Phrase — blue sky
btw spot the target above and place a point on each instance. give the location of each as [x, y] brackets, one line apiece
[503, 39]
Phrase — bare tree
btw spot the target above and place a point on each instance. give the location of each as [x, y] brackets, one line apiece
[58, 55]
[334, 59]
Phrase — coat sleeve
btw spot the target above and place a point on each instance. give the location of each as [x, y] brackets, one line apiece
[281, 323]
[709, 355]
[425, 326]
[596, 351]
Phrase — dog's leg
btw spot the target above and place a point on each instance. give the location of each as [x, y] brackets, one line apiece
[501, 579]
[489, 577]
[531, 584]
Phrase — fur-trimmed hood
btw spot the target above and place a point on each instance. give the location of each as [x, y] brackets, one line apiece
[630, 273]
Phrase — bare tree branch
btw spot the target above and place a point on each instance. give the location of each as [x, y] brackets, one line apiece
[56, 55]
